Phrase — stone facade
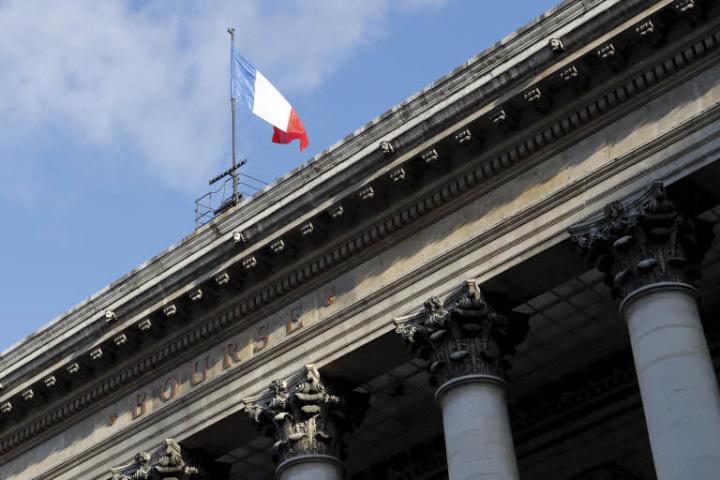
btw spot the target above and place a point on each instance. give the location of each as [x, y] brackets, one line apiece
[460, 223]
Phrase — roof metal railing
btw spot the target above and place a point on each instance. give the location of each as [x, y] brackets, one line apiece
[227, 196]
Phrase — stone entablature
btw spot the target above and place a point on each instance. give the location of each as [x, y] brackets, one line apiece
[124, 324]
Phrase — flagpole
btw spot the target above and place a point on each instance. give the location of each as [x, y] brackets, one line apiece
[231, 31]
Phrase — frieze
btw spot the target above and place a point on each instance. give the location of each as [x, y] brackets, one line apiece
[213, 362]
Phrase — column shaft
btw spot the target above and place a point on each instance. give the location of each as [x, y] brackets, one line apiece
[478, 439]
[677, 380]
[311, 467]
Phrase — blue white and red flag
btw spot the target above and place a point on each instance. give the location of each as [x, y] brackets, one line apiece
[250, 88]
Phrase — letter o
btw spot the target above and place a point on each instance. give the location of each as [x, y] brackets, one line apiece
[173, 390]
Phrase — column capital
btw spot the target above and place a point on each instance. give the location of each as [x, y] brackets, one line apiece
[643, 240]
[464, 334]
[169, 464]
[306, 416]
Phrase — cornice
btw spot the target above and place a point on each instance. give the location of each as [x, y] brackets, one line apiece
[362, 243]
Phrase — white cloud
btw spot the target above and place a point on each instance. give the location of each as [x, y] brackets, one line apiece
[144, 79]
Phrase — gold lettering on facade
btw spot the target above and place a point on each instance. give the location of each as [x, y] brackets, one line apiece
[140, 405]
[294, 322]
[195, 380]
[230, 355]
[172, 386]
[171, 382]
[262, 338]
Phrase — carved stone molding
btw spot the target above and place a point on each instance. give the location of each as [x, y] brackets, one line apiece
[430, 157]
[643, 240]
[463, 334]
[611, 55]
[572, 76]
[169, 466]
[538, 99]
[398, 175]
[556, 45]
[387, 148]
[222, 279]
[463, 136]
[307, 229]
[305, 416]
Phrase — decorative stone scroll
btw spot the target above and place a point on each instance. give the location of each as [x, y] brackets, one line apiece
[304, 417]
[169, 466]
[643, 240]
[464, 334]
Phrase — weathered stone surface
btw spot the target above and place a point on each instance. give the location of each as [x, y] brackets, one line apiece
[169, 466]
[305, 417]
[463, 334]
[478, 440]
[677, 380]
[643, 240]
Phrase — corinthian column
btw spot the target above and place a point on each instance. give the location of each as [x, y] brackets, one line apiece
[307, 421]
[467, 342]
[650, 255]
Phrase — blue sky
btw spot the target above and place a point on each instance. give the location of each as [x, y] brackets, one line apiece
[114, 115]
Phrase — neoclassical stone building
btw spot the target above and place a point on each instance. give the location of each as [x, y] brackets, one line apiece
[512, 274]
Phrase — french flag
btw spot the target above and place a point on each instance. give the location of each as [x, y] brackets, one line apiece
[251, 88]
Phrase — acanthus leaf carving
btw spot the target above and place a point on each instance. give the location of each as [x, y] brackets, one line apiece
[643, 240]
[463, 334]
[170, 465]
[305, 417]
